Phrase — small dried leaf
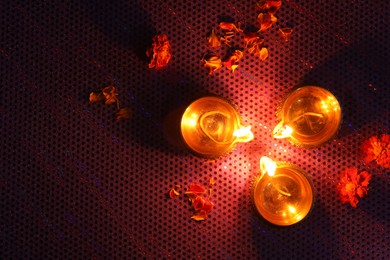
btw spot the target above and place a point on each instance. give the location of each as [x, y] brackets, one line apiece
[229, 26]
[266, 21]
[212, 61]
[200, 215]
[263, 53]
[95, 97]
[173, 193]
[123, 113]
[285, 33]
[213, 40]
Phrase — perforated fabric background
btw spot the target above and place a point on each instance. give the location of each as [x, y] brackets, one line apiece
[75, 184]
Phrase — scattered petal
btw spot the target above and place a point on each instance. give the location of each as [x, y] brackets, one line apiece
[198, 203]
[213, 40]
[353, 185]
[178, 186]
[173, 193]
[191, 196]
[197, 189]
[285, 33]
[95, 97]
[226, 26]
[263, 53]
[123, 113]
[211, 181]
[251, 38]
[160, 52]
[266, 21]
[212, 61]
[200, 215]
[268, 6]
[110, 95]
[207, 206]
[231, 62]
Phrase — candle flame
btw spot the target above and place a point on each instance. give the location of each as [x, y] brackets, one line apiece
[282, 131]
[267, 165]
[244, 134]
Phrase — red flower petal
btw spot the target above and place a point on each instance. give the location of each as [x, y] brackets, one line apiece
[200, 215]
[208, 206]
[198, 203]
[196, 189]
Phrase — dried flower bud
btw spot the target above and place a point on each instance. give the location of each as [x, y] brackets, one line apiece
[266, 21]
[212, 61]
[213, 40]
[159, 52]
[285, 33]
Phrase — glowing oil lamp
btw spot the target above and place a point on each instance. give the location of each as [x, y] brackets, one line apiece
[210, 126]
[283, 194]
[309, 116]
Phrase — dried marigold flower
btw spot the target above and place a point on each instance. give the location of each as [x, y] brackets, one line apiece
[353, 185]
[377, 148]
[160, 52]
[269, 6]
[123, 113]
[212, 61]
[266, 21]
[231, 62]
[213, 39]
[226, 26]
[173, 193]
[285, 33]
[200, 215]
[263, 54]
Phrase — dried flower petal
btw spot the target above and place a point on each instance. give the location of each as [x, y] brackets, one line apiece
[251, 38]
[266, 21]
[229, 26]
[200, 215]
[353, 185]
[160, 52]
[211, 181]
[212, 61]
[191, 196]
[213, 40]
[123, 113]
[285, 33]
[207, 206]
[269, 6]
[173, 193]
[198, 203]
[263, 54]
[110, 95]
[231, 62]
[95, 97]
[197, 189]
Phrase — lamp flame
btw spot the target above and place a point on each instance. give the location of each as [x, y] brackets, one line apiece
[282, 131]
[243, 134]
[268, 166]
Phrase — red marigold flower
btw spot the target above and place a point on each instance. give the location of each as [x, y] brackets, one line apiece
[160, 52]
[353, 185]
[377, 148]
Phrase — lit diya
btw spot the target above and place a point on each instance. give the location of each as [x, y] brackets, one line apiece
[283, 194]
[210, 126]
[309, 116]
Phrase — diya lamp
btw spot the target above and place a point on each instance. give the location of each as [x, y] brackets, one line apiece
[211, 127]
[283, 194]
[309, 116]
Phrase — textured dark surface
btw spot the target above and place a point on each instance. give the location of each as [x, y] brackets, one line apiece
[75, 184]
